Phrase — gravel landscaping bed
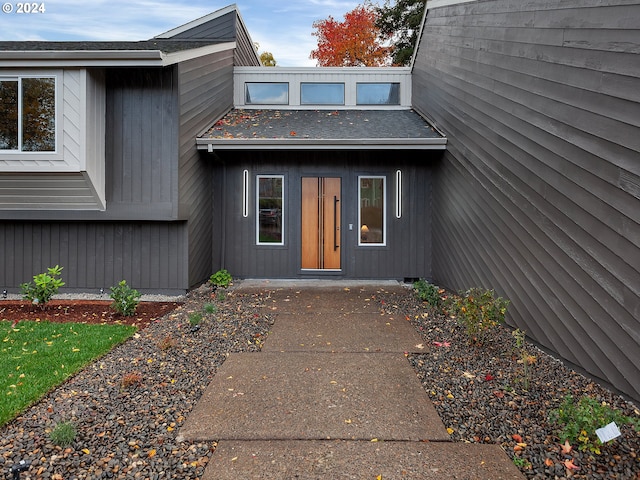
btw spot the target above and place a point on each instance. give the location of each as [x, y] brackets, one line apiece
[130, 431]
[126, 432]
[478, 393]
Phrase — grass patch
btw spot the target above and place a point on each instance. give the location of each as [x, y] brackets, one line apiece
[35, 357]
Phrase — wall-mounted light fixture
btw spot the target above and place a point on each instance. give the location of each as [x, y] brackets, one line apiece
[398, 194]
[245, 193]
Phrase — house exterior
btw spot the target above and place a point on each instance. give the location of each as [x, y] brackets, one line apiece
[538, 194]
[505, 157]
[120, 190]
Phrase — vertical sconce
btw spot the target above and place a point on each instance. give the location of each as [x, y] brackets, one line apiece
[398, 194]
[245, 193]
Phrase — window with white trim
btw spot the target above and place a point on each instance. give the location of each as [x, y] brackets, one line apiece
[28, 114]
[270, 219]
[372, 216]
[266, 93]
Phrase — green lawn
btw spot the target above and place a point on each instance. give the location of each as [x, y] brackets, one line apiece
[35, 357]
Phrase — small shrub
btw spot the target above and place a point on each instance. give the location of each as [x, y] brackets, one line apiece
[125, 299]
[221, 278]
[167, 343]
[195, 318]
[43, 287]
[209, 308]
[131, 379]
[428, 292]
[479, 311]
[578, 422]
[63, 434]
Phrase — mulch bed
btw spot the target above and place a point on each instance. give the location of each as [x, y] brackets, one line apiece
[83, 311]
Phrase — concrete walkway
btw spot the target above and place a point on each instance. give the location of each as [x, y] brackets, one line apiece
[331, 395]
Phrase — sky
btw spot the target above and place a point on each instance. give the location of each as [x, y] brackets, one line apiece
[279, 26]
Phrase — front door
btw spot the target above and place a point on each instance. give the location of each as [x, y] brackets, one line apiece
[321, 223]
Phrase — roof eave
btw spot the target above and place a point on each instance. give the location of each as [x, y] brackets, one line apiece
[211, 145]
[104, 58]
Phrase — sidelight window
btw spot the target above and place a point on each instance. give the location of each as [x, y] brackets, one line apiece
[270, 220]
[372, 216]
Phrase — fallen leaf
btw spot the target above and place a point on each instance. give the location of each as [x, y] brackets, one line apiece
[468, 375]
[420, 346]
[517, 438]
[86, 450]
[488, 377]
[548, 462]
[566, 448]
[450, 430]
[570, 465]
[152, 453]
[498, 393]
[442, 344]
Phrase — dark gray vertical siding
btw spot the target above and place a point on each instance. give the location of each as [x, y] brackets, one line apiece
[538, 193]
[95, 255]
[141, 144]
[408, 249]
[206, 93]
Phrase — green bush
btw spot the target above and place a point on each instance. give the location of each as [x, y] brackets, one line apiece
[428, 292]
[578, 422]
[44, 286]
[221, 278]
[125, 299]
[479, 311]
[63, 434]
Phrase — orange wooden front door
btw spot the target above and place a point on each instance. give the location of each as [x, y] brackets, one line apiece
[321, 223]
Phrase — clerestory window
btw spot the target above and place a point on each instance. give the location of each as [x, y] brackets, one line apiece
[28, 114]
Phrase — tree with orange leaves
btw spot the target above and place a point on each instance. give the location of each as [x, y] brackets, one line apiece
[356, 42]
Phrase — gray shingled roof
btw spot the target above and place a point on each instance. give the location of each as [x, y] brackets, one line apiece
[167, 46]
[331, 128]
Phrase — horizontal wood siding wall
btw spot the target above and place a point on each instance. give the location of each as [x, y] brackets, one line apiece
[408, 250]
[539, 192]
[206, 94]
[95, 255]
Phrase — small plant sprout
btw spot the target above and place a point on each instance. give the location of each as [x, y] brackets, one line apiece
[209, 308]
[195, 318]
[125, 299]
[525, 358]
[43, 287]
[63, 434]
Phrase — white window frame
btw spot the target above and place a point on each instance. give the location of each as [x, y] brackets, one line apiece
[385, 196]
[49, 155]
[282, 213]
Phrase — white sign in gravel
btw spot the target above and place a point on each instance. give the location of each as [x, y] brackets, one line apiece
[608, 432]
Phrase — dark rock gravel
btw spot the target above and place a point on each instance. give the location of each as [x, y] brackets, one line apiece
[478, 393]
[125, 433]
[130, 433]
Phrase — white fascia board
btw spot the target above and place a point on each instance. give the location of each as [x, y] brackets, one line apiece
[177, 57]
[104, 58]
